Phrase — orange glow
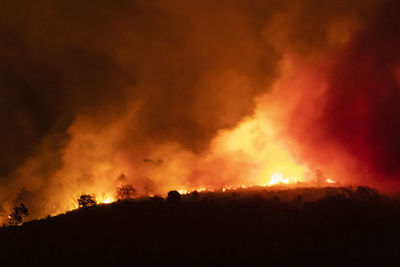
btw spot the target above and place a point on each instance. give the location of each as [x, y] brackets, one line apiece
[238, 158]
[257, 142]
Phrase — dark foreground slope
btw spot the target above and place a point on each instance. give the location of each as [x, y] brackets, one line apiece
[343, 228]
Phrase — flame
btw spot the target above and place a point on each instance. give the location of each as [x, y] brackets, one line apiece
[183, 191]
[330, 181]
[260, 153]
[107, 201]
[277, 178]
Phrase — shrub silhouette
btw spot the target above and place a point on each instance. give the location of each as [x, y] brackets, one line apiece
[125, 192]
[365, 192]
[17, 215]
[173, 197]
[86, 200]
[194, 195]
[157, 199]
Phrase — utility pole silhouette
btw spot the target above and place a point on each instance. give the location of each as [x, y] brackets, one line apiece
[320, 177]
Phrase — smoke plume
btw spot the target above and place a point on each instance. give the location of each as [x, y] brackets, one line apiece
[192, 94]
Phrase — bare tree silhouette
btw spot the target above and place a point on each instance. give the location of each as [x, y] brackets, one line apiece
[125, 192]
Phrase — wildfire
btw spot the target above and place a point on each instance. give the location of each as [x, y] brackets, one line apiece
[252, 154]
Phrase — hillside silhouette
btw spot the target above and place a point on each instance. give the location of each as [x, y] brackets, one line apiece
[246, 227]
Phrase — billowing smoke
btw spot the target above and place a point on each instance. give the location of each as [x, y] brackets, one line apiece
[354, 128]
[193, 94]
[363, 106]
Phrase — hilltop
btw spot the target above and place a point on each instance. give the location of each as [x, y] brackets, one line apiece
[246, 227]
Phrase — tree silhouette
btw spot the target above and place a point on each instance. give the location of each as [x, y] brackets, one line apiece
[17, 215]
[86, 200]
[173, 197]
[125, 192]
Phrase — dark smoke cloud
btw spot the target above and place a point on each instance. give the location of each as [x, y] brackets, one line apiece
[64, 58]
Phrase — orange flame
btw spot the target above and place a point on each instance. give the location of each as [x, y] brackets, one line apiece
[277, 178]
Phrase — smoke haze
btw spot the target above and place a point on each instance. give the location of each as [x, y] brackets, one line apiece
[190, 94]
